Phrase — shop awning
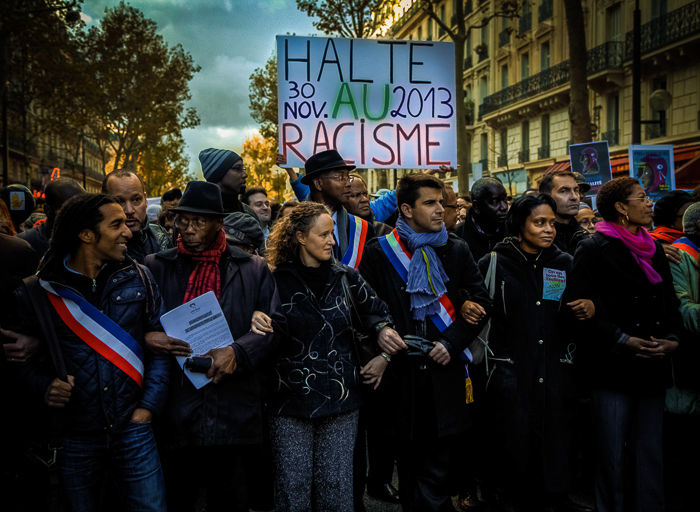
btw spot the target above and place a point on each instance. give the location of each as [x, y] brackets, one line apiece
[559, 166]
[688, 175]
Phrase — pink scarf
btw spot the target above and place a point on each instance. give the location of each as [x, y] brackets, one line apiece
[641, 246]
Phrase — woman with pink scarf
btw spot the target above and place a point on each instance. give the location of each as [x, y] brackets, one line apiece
[636, 328]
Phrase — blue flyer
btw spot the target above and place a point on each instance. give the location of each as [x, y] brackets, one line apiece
[554, 284]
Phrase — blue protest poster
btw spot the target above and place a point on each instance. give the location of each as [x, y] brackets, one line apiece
[653, 167]
[592, 160]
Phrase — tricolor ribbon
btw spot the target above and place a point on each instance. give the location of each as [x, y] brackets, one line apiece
[684, 244]
[356, 243]
[97, 330]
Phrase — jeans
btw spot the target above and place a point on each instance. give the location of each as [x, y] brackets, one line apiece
[629, 425]
[132, 459]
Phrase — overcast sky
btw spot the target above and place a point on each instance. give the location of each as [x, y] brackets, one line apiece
[229, 39]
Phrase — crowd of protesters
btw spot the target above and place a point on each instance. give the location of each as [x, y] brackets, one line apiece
[500, 353]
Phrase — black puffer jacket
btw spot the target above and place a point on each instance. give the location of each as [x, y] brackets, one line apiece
[104, 397]
[316, 372]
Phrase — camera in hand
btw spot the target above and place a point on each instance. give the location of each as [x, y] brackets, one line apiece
[198, 364]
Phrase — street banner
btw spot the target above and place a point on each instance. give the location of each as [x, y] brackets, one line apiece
[382, 104]
[653, 167]
[592, 160]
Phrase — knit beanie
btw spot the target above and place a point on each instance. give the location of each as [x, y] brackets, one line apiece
[216, 163]
[667, 207]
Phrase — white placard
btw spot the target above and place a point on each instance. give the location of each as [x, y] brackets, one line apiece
[383, 104]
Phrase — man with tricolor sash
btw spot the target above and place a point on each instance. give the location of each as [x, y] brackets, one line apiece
[329, 182]
[100, 305]
[686, 273]
[431, 283]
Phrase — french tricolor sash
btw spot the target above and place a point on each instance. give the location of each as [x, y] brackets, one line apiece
[101, 333]
[356, 242]
[684, 244]
[400, 258]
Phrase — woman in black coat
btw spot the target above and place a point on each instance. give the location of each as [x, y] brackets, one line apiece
[314, 394]
[530, 396]
[637, 325]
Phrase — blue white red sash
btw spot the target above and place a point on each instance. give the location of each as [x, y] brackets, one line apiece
[684, 244]
[400, 258]
[356, 242]
[101, 333]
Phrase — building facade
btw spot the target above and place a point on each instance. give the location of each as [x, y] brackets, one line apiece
[517, 80]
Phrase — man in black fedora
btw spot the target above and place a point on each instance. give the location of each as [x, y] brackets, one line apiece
[327, 175]
[212, 433]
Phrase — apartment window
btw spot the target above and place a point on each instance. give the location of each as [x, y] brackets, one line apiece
[612, 116]
[484, 149]
[614, 23]
[483, 88]
[420, 33]
[504, 76]
[525, 142]
[524, 66]
[658, 8]
[544, 56]
[545, 138]
[430, 30]
[485, 35]
[503, 155]
[657, 130]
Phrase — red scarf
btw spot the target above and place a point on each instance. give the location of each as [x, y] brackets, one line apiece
[664, 234]
[206, 276]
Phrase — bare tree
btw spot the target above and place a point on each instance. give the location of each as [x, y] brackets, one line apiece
[579, 115]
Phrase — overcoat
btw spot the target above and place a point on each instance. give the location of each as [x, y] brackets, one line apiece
[416, 397]
[230, 412]
[530, 392]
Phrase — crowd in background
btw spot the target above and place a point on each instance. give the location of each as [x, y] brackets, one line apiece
[502, 353]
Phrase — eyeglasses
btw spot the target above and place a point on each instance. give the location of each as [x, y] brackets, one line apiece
[646, 199]
[183, 223]
[342, 179]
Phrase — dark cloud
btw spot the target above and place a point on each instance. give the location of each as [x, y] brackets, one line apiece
[229, 39]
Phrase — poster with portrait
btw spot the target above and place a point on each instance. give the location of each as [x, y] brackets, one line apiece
[653, 167]
[592, 160]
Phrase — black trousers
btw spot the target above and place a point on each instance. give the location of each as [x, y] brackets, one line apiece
[424, 466]
[222, 470]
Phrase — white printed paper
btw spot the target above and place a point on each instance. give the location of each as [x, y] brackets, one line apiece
[201, 323]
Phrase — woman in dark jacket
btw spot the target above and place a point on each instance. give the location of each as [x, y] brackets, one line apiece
[637, 325]
[530, 391]
[314, 395]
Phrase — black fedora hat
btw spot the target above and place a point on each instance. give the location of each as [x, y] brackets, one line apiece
[323, 162]
[201, 197]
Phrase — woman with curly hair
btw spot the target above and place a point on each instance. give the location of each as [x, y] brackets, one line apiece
[636, 327]
[314, 392]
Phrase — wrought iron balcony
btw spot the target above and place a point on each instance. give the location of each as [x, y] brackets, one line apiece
[546, 10]
[410, 12]
[674, 26]
[525, 23]
[606, 56]
[502, 160]
[503, 39]
[524, 155]
[543, 152]
[484, 164]
[468, 62]
[612, 136]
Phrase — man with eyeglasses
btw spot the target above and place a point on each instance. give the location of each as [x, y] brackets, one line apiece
[146, 238]
[327, 176]
[449, 203]
[222, 421]
[225, 169]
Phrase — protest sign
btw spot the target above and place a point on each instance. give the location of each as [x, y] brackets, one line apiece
[653, 167]
[592, 160]
[380, 103]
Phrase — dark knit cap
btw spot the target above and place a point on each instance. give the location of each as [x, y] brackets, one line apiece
[242, 228]
[216, 163]
[667, 207]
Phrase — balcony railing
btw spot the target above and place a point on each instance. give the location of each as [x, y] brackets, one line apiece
[524, 155]
[410, 12]
[502, 160]
[525, 23]
[483, 55]
[503, 39]
[612, 136]
[605, 56]
[484, 164]
[468, 62]
[546, 10]
[674, 26]
[543, 152]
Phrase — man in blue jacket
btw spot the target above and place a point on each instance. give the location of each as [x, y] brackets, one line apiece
[101, 305]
